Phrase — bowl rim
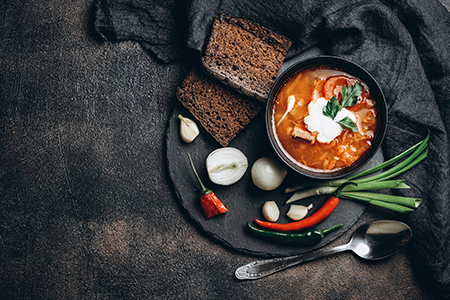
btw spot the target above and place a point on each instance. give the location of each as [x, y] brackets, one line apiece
[351, 68]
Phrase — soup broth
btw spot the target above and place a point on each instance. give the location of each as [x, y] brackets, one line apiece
[306, 146]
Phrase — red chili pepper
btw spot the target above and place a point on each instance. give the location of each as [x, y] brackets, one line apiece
[211, 205]
[311, 221]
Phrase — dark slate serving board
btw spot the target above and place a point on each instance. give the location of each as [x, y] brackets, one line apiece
[243, 199]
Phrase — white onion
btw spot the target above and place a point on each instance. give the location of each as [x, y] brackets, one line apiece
[226, 166]
[268, 173]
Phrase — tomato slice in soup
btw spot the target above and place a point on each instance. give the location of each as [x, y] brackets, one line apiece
[334, 84]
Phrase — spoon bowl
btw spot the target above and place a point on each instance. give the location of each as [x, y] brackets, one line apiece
[372, 241]
[379, 239]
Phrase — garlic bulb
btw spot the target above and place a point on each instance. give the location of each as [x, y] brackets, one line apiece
[226, 165]
[270, 211]
[188, 129]
[268, 173]
[298, 212]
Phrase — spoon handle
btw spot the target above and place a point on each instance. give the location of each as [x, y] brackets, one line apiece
[263, 268]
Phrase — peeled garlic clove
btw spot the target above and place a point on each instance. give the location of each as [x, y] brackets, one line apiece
[188, 129]
[270, 211]
[226, 166]
[298, 212]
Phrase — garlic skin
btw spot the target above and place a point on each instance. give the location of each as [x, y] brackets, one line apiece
[268, 173]
[298, 212]
[270, 211]
[188, 129]
[226, 166]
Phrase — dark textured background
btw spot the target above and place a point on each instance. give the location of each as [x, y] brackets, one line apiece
[87, 210]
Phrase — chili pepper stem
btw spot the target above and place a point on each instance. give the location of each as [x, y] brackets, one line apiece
[204, 189]
[331, 229]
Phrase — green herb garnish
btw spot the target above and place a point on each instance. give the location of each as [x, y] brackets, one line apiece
[349, 98]
[332, 108]
[348, 123]
[350, 94]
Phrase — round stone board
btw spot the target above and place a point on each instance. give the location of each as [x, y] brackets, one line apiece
[243, 199]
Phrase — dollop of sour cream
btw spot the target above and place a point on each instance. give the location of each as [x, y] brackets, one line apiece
[327, 128]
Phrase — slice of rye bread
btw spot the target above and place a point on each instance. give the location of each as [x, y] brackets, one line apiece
[220, 110]
[245, 55]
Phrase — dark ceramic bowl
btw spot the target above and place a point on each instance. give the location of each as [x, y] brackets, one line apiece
[353, 70]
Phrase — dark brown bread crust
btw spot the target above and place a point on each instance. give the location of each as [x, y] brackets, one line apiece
[245, 55]
[220, 110]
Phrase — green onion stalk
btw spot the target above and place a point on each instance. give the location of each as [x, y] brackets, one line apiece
[384, 180]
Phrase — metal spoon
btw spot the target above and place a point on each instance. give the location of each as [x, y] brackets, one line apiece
[372, 241]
